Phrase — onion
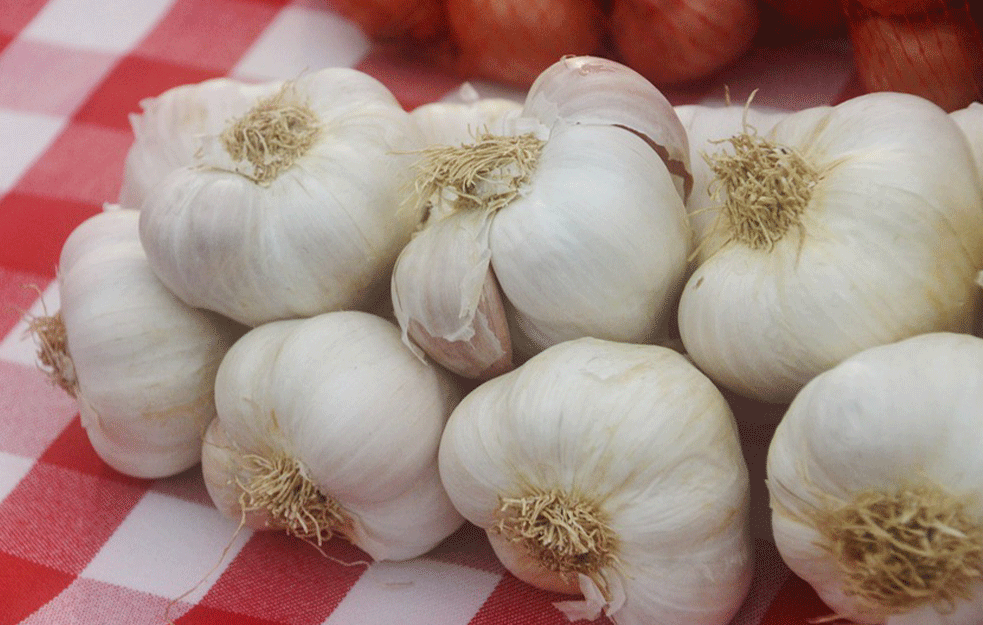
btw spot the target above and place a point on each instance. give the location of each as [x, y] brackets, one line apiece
[384, 20]
[816, 17]
[515, 40]
[938, 56]
[673, 41]
[903, 7]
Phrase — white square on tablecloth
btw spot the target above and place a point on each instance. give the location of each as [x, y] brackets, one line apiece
[302, 40]
[18, 346]
[167, 546]
[12, 471]
[104, 25]
[25, 137]
[415, 592]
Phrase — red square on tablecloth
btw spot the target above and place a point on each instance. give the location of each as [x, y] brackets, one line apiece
[35, 228]
[60, 518]
[16, 15]
[84, 164]
[271, 561]
[187, 34]
[133, 79]
[27, 586]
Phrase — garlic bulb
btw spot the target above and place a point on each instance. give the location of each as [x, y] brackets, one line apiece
[563, 221]
[708, 127]
[970, 120]
[140, 362]
[169, 130]
[842, 228]
[608, 469]
[294, 209]
[461, 118]
[329, 426]
[874, 474]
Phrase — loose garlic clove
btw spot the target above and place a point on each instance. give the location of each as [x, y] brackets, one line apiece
[874, 475]
[610, 470]
[293, 210]
[140, 363]
[329, 426]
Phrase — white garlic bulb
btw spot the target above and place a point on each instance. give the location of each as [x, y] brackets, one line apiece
[970, 120]
[612, 470]
[294, 209]
[329, 426]
[875, 481]
[169, 129]
[564, 220]
[140, 362]
[843, 228]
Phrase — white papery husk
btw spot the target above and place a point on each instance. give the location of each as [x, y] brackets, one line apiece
[890, 417]
[144, 362]
[594, 242]
[321, 235]
[887, 247]
[169, 129]
[641, 434]
[342, 397]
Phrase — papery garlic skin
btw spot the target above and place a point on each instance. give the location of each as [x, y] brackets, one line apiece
[592, 240]
[340, 395]
[320, 235]
[647, 442]
[893, 416]
[144, 361]
[887, 246]
[169, 129]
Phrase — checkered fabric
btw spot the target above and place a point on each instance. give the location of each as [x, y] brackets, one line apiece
[80, 543]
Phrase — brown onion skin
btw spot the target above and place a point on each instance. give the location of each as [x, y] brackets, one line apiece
[513, 41]
[937, 57]
[676, 41]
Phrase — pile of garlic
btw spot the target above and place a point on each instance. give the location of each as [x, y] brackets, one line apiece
[378, 324]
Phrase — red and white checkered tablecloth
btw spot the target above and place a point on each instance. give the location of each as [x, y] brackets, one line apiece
[80, 543]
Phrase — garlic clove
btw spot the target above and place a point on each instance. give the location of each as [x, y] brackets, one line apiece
[587, 90]
[447, 300]
[575, 253]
